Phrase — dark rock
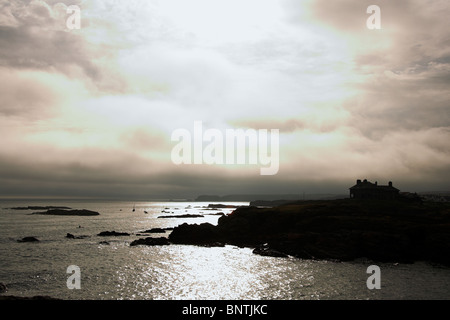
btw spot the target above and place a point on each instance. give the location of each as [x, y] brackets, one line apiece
[154, 230]
[183, 216]
[149, 241]
[104, 242]
[202, 234]
[61, 212]
[3, 288]
[112, 234]
[216, 214]
[28, 239]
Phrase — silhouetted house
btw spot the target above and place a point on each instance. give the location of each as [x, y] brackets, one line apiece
[368, 190]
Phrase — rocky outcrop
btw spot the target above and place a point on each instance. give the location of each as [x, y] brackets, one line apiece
[203, 234]
[149, 241]
[397, 231]
[3, 288]
[63, 212]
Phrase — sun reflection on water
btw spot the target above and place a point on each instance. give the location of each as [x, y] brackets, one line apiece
[189, 272]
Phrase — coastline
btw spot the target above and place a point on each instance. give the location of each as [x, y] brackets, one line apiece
[344, 230]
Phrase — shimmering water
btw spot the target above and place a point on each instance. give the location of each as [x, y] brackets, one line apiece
[117, 271]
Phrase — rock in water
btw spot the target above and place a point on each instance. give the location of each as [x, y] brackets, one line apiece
[62, 212]
[28, 239]
[183, 216]
[112, 233]
[149, 241]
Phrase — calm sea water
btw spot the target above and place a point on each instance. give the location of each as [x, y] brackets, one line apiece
[117, 271]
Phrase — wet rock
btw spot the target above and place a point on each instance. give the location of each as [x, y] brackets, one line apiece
[3, 288]
[149, 241]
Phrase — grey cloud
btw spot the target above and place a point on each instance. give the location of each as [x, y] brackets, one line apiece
[55, 50]
[33, 35]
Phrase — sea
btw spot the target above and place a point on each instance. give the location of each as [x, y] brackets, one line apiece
[108, 268]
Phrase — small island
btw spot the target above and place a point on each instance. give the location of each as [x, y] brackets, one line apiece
[63, 212]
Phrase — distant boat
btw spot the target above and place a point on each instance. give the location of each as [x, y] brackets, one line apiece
[145, 211]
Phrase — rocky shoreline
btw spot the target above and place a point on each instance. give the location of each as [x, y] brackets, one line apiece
[347, 229]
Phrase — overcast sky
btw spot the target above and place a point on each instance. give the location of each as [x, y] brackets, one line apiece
[90, 112]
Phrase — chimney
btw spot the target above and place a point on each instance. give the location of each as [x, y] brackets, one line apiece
[376, 183]
[358, 181]
[390, 183]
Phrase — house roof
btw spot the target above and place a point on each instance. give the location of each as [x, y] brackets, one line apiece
[369, 185]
